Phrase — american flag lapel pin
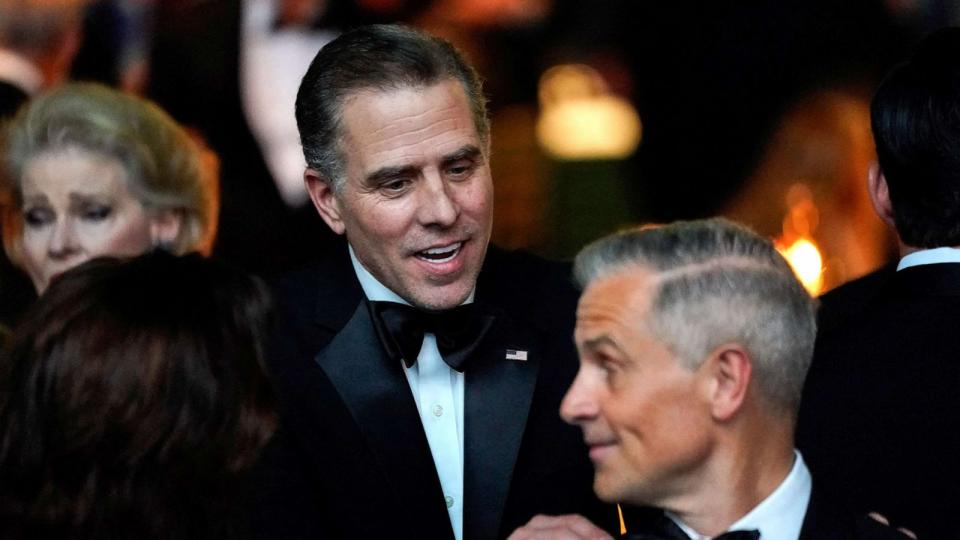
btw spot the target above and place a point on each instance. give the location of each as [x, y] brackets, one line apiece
[516, 354]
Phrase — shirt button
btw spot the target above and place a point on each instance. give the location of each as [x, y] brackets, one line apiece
[438, 410]
[449, 500]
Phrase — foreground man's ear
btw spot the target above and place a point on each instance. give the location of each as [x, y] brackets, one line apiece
[324, 199]
[729, 370]
[880, 194]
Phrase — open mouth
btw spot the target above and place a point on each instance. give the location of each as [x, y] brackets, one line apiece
[440, 254]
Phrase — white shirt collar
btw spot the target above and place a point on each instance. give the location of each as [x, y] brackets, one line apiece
[22, 73]
[780, 515]
[376, 291]
[930, 256]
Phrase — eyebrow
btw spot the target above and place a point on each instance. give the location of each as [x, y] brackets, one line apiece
[384, 174]
[465, 152]
[388, 173]
[599, 342]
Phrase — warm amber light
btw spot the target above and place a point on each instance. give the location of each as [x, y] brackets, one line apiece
[581, 119]
[807, 263]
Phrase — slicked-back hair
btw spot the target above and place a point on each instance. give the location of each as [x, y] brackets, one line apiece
[915, 117]
[717, 282]
[374, 58]
[134, 401]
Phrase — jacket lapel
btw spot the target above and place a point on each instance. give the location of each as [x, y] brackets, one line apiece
[379, 399]
[497, 402]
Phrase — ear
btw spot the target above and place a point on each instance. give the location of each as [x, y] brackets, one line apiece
[880, 194]
[165, 227]
[728, 370]
[324, 199]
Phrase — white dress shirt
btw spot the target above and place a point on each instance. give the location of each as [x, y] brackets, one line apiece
[930, 256]
[780, 515]
[272, 63]
[438, 392]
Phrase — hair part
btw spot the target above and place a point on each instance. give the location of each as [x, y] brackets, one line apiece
[718, 282]
[379, 58]
[915, 117]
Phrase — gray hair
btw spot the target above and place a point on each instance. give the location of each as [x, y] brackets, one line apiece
[165, 168]
[718, 282]
[376, 57]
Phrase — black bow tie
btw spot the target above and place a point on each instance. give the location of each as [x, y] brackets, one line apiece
[665, 529]
[458, 331]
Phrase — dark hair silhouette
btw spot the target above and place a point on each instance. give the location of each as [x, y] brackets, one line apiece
[915, 117]
[133, 400]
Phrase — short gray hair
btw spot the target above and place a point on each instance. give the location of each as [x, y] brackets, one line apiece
[718, 282]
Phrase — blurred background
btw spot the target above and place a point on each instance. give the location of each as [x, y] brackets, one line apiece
[606, 113]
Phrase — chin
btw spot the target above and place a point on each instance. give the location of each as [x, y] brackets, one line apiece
[447, 297]
[605, 491]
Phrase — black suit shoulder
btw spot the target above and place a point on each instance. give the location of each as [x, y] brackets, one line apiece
[829, 518]
[536, 291]
[843, 304]
[880, 409]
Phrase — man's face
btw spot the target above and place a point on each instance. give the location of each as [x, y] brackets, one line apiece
[644, 416]
[417, 202]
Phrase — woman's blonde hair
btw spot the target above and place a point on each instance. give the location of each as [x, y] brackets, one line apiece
[166, 168]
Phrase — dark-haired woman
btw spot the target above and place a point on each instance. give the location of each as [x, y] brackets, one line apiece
[133, 401]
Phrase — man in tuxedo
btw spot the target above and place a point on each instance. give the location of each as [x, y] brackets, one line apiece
[420, 371]
[694, 341]
[880, 421]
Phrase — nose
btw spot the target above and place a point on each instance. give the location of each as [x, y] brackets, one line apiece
[63, 242]
[438, 206]
[580, 405]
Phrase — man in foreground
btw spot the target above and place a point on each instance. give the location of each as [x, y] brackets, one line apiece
[694, 341]
[880, 421]
[420, 372]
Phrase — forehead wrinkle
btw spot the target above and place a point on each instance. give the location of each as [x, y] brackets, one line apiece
[448, 109]
[441, 126]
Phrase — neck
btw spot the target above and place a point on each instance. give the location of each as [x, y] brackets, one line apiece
[906, 249]
[741, 473]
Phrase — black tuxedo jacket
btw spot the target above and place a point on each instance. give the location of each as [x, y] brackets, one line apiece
[880, 417]
[352, 459]
[826, 519]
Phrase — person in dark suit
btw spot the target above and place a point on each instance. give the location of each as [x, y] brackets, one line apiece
[879, 419]
[694, 340]
[420, 372]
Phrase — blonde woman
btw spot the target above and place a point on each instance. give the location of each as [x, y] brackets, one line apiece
[89, 171]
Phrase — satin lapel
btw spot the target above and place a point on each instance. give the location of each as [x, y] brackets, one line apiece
[497, 401]
[378, 396]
